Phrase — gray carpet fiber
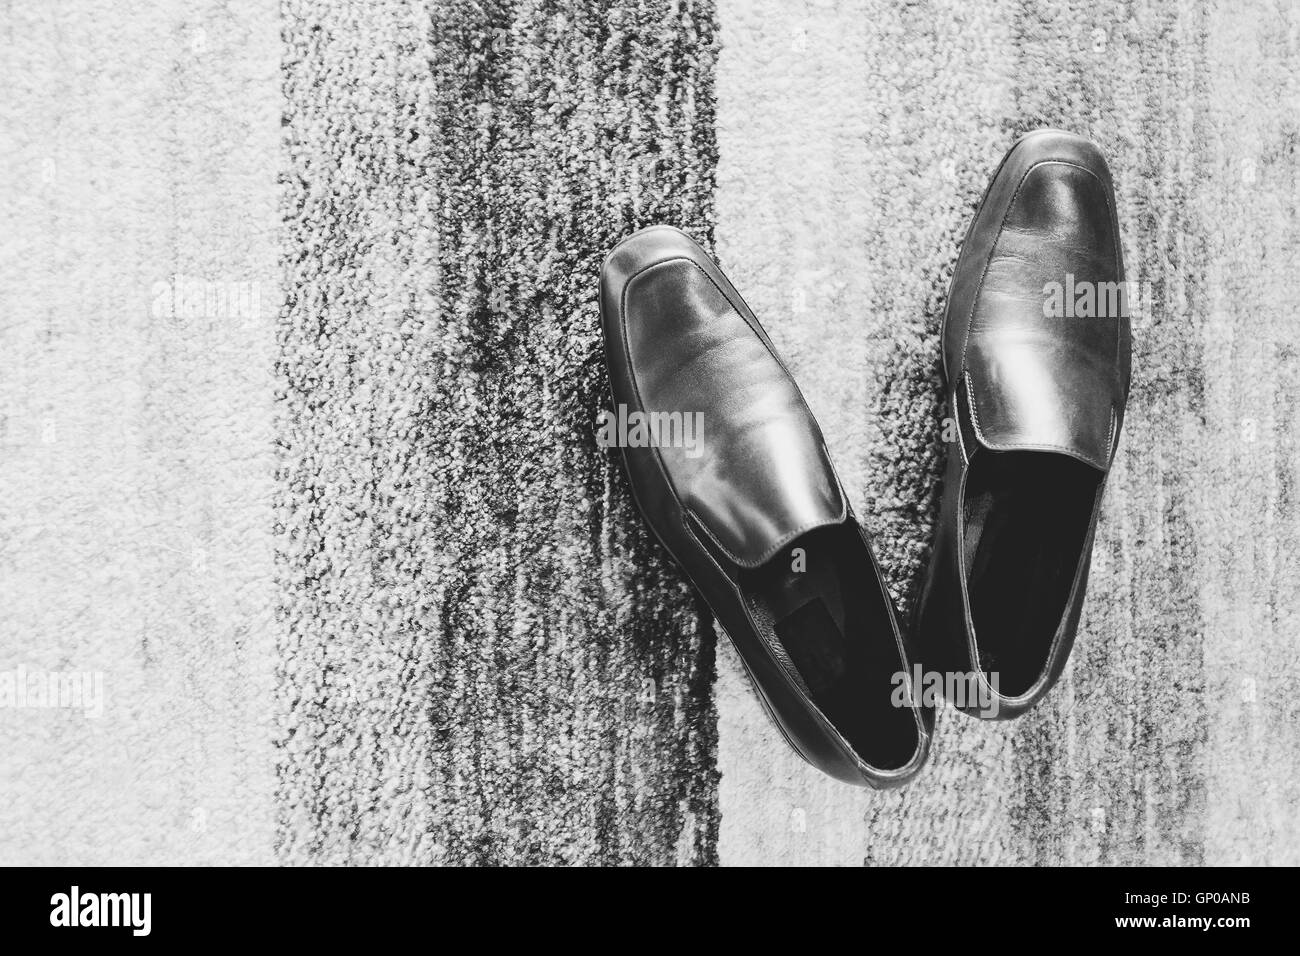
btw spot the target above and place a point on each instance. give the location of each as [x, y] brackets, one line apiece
[486, 660]
[362, 587]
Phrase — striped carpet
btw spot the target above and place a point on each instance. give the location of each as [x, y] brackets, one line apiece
[361, 586]
[485, 659]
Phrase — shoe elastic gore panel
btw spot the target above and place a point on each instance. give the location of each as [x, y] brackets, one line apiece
[1026, 520]
[821, 605]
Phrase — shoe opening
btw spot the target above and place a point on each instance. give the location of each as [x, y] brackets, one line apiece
[1026, 520]
[821, 601]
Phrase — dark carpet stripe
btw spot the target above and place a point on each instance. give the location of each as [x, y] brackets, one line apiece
[485, 658]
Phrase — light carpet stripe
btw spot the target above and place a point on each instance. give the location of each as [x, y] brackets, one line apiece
[137, 461]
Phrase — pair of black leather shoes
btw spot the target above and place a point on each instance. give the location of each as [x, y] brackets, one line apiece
[731, 471]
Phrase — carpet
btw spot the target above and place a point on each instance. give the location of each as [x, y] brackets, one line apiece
[139, 285]
[486, 658]
[300, 373]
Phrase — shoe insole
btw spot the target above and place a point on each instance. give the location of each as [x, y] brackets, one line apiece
[1027, 517]
[824, 608]
[816, 646]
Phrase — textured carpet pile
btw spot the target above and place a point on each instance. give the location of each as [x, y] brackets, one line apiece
[362, 587]
[485, 659]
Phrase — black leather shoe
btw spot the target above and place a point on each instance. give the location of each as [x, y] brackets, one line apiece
[753, 510]
[1036, 349]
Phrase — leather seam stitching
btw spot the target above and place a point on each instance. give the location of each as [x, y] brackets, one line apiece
[974, 414]
[956, 417]
[1045, 446]
[771, 552]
